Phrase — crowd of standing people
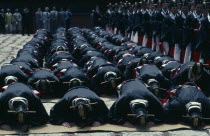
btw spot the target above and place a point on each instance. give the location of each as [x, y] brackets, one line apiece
[20, 22]
[177, 28]
[51, 20]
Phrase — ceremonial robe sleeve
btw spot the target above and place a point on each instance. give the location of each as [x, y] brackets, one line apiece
[40, 117]
[58, 113]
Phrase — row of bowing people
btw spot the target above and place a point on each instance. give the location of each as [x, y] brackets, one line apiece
[80, 65]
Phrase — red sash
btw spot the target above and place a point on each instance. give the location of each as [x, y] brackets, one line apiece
[171, 51]
[149, 42]
[141, 39]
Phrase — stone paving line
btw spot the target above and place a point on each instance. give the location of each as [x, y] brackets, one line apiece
[9, 46]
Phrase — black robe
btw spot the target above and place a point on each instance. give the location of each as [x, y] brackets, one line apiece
[147, 72]
[190, 36]
[143, 51]
[43, 74]
[28, 59]
[169, 30]
[57, 56]
[62, 65]
[167, 68]
[61, 111]
[160, 61]
[157, 23]
[175, 108]
[121, 65]
[204, 42]
[98, 78]
[26, 68]
[88, 56]
[96, 18]
[92, 66]
[131, 90]
[70, 73]
[21, 90]
[131, 65]
[12, 70]
[182, 77]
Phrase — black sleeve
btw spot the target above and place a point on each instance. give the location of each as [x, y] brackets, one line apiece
[165, 28]
[40, 117]
[165, 83]
[101, 112]
[115, 115]
[155, 108]
[173, 111]
[3, 114]
[179, 79]
[58, 113]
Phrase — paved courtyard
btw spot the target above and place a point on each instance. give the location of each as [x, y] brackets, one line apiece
[10, 44]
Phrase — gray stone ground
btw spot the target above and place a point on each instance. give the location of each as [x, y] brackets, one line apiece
[10, 44]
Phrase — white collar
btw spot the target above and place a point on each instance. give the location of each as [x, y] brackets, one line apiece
[198, 17]
[208, 16]
[143, 11]
[164, 13]
[183, 16]
[150, 12]
[172, 16]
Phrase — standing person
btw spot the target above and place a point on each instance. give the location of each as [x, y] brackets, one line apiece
[184, 13]
[204, 39]
[168, 30]
[96, 17]
[61, 18]
[68, 18]
[2, 22]
[8, 20]
[192, 9]
[46, 19]
[53, 20]
[39, 18]
[192, 29]
[17, 18]
[25, 22]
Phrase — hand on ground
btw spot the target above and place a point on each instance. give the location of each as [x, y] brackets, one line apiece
[96, 124]
[66, 124]
[127, 124]
[6, 127]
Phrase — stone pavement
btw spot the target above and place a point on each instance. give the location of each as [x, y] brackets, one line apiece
[10, 44]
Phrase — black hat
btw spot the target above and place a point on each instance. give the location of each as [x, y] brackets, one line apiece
[173, 4]
[109, 5]
[82, 107]
[19, 105]
[185, 3]
[197, 68]
[206, 4]
[165, 2]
